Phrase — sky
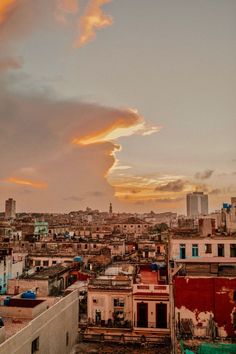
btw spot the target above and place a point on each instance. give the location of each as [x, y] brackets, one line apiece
[123, 101]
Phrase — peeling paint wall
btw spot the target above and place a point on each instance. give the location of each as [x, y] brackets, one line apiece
[198, 298]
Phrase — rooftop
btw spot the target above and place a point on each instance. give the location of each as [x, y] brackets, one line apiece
[148, 276]
[46, 273]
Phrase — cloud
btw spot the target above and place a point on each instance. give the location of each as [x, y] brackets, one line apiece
[73, 198]
[152, 130]
[96, 194]
[22, 182]
[93, 19]
[204, 175]
[36, 148]
[169, 200]
[6, 7]
[215, 191]
[173, 186]
[127, 122]
[70, 6]
[9, 63]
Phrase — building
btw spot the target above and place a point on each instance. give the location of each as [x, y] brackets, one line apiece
[10, 268]
[10, 209]
[34, 329]
[228, 216]
[215, 249]
[197, 204]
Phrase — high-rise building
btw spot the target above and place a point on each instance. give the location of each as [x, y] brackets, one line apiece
[110, 209]
[10, 208]
[197, 204]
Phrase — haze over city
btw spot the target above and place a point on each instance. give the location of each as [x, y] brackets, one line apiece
[127, 102]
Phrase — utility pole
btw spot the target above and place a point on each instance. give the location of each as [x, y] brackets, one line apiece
[172, 274]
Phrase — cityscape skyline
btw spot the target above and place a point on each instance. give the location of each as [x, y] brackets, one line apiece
[69, 136]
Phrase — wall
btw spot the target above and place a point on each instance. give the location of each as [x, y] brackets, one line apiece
[199, 298]
[2, 334]
[51, 327]
[28, 284]
[104, 303]
[23, 312]
[175, 248]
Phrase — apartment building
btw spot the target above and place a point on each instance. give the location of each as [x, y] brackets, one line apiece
[52, 329]
[218, 248]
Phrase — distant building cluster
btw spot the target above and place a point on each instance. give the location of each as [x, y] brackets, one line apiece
[152, 279]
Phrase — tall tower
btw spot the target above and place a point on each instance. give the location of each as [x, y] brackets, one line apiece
[110, 209]
[10, 209]
[197, 204]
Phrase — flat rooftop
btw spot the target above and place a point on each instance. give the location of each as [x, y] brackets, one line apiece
[47, 272]
[13, 325]
[148, 276]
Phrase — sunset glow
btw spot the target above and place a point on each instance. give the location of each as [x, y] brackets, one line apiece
[29, 183]
[5, 7]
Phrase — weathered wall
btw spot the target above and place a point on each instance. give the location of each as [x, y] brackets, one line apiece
[28, 284]
[199, 298]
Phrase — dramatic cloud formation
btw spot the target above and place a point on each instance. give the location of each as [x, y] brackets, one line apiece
[67, 145]
[204, 175]
[126, 123]
[173, 186]
[92, 19]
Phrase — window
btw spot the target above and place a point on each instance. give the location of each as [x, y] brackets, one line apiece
[119, 302]
[37, 263]
[208, 248]
[234, 295]
[233, 250]
[182, 250]
[54, 262]
[194, 250]
[221, 250]
[45, 263]
[35, 345]
[67, 339]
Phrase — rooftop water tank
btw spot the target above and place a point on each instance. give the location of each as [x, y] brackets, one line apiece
[78, 259]
[6, 301]
[28, 295]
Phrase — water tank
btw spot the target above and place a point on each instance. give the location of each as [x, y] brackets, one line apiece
[28, 295]
[7, 301]
[226, 205]
[78, 259]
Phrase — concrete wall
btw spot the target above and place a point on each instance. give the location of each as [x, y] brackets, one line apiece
[51, 328]
[2, 334]
[201, 242]
[104, 302]
[28, 284]
[23, 312]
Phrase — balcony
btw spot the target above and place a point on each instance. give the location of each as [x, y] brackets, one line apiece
[111, 324]
[150, 288]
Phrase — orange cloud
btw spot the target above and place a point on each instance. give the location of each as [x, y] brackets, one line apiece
[70, 6]
[5, 7]
[121, 127]
[33, 184]
[92, 19]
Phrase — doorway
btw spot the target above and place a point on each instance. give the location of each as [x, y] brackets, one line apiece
[161, 315]
[142, 311]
